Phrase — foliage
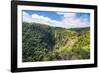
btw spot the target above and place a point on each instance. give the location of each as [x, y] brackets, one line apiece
[45, 43]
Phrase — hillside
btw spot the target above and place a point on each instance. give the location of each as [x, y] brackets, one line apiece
[45, 43]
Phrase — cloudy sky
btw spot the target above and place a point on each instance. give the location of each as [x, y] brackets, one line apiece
[57, 19]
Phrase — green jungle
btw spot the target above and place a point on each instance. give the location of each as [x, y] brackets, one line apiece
[42, 42]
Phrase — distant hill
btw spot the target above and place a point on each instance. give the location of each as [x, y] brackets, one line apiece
[46, 43]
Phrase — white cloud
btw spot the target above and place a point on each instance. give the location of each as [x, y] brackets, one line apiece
[60, 13]
[69, 15]
[25, 14]
[66, 14]
[26, 17]
[36, 16]
[40, 19]
[45, 20]
[69, 20]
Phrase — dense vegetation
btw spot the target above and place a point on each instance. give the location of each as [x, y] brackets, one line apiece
[45, 43]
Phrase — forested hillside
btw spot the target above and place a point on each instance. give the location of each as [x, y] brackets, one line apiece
[46, 43]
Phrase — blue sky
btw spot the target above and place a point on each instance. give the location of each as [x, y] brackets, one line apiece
[50, 14]
[58, 19]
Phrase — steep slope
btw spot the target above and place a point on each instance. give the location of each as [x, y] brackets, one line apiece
[45, 43]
